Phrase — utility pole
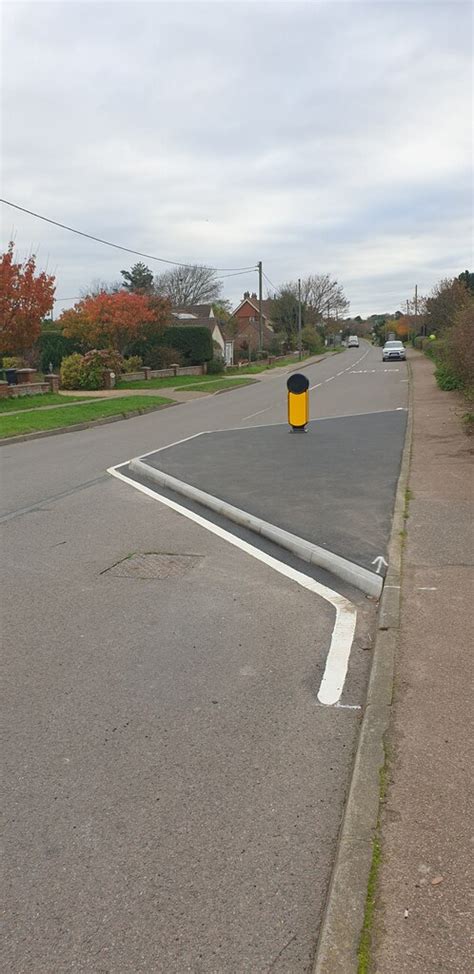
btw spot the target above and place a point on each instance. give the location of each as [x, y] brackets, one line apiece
[300, 352]
[327, 326]
[260, 314]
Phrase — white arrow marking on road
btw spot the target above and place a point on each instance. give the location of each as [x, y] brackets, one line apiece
[378, 562]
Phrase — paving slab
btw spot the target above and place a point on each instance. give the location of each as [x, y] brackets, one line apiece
[333, 486]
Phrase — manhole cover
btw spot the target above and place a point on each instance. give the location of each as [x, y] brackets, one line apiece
[154, 565]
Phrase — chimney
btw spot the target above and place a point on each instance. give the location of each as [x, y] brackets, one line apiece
[254, 296]
[246, 295]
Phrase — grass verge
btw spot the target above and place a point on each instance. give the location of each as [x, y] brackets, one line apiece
[32, 402]
[281, 363]
[219, 385]
[364, 953]
[19, 423]
[168, 382]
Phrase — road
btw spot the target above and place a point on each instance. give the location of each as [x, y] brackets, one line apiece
[173, 787]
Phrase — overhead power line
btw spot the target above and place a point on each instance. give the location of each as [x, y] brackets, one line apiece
[272, 285]
[128, 250]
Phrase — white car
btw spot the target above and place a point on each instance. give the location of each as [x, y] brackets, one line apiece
[353, 341]
[393, 351]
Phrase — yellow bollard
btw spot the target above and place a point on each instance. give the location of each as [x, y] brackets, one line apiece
[298, 402]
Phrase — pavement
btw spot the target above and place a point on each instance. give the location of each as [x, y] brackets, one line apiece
[423, 919]
[173, 789]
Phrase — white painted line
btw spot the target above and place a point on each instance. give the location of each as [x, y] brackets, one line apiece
[169, 445]
[331, 377]
[337, 660]
[362, 578]
[259, 413]
[427, 588]
[318, 384]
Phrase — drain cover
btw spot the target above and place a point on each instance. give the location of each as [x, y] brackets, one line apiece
[154, 565]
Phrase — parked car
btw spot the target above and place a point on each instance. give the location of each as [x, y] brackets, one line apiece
[393, 351]
[353, 342]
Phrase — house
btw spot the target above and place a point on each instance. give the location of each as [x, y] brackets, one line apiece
[199, 316]
[246, 319]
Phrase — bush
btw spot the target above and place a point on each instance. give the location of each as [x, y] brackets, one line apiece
[133, 363]
[446, 378]
[95, 363]
[215, 366]
[195, 344]
[52, 347]
[162, 357]
[12, 362]
[311, 339]
[459, 347]
[71, 370]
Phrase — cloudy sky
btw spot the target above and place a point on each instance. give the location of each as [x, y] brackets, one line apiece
[318, 137]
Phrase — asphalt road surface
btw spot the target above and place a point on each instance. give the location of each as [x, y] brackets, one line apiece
[172, 787]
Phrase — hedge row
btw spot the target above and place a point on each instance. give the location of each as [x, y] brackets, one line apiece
[183, 345]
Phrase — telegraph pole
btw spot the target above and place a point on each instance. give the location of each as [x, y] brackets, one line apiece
[260, 314]
[299, 319]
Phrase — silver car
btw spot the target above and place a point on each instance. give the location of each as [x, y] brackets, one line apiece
[393, 351]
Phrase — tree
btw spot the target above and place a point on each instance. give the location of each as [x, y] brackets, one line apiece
[285, 312]
[189, 285]
[139, 279]
[323, 295]
[311, 339]
[108, 320]
[467, 278]
[25, 298]
[446, 299]
[97, 286]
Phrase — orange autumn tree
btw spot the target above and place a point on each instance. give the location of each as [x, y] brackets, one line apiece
[25, 298]
[108, 320]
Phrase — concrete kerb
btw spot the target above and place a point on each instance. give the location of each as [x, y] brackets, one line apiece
[343, 918]
[361, 578]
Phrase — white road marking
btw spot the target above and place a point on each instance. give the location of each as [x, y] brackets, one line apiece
[349, 367]
[427, 588]
[259, 413]
[331, 377]
[337, 660]
[379, 563]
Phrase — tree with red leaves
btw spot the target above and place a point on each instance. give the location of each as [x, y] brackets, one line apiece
[108, 320]
[25, 298]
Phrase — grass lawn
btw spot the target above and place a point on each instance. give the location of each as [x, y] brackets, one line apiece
[169, 382]
[255, 368]
[49, 419]
[218, 384]
[31, 402]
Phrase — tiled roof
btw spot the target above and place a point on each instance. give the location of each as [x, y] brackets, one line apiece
[200, 310]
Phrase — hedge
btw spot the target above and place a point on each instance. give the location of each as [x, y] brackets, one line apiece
[195, 344]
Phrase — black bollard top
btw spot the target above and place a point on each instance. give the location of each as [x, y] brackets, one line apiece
[297, 383]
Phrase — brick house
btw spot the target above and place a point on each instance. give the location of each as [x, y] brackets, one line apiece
[247, 323]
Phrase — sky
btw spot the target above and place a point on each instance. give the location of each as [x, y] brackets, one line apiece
[329, 137]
